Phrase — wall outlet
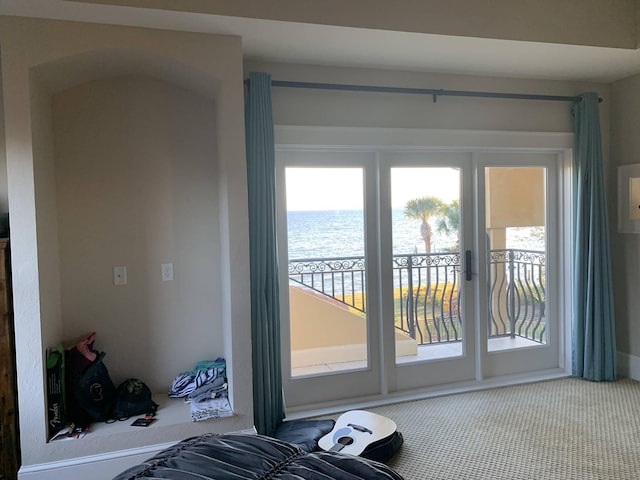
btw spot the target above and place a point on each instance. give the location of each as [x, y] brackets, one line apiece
[167, 272]
[120, 275]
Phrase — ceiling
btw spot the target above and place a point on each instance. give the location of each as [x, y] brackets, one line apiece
[271, 40]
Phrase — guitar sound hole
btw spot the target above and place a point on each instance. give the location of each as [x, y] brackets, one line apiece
[345, 441]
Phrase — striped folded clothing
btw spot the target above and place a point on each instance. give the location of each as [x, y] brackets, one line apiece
[205, 374]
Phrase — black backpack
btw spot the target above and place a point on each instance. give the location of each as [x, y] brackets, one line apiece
[92, 393]
[133, 397]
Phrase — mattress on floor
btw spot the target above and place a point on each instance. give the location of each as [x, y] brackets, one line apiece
[245, 456]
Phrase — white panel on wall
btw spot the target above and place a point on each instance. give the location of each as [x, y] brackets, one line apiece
[629, 198]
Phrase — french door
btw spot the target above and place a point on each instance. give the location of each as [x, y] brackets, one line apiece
[426, 289]
[402, 271]
[330, 318]
[518, 220]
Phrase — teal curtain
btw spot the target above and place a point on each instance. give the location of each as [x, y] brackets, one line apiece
[594, 344]
[265, 307]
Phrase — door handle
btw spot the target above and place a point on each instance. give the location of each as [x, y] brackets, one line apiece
[467, 265]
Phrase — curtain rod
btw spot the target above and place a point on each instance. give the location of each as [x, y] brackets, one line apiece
[435, 93]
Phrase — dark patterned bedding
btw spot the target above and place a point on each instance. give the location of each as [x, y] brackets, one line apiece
[255, 457]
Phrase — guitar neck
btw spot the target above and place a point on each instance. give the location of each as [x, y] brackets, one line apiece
[337, 447]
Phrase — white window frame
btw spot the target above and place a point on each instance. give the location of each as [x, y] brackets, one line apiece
[314, 138]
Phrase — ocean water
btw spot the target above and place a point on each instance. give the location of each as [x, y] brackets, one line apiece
[340, 233]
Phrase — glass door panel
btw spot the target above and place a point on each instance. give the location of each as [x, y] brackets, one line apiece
[327, 269]
[516, 234]
[519, 266]
[426, 263]
[426, 206]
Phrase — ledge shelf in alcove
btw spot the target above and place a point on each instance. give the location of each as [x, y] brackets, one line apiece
[171, 411]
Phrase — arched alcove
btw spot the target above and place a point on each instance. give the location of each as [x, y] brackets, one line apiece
[129, 179]
[95, 64]
[117, 155]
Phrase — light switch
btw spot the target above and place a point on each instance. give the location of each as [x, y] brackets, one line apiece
[120, 275]
[167, 272]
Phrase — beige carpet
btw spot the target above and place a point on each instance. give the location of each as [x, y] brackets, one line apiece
[562, 429]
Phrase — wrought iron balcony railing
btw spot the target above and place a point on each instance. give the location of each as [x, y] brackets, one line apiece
[427, 304]
[426, 292]
[341, 278]
[517, 294]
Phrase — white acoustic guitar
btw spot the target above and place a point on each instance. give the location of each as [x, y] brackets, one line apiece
[355, 430]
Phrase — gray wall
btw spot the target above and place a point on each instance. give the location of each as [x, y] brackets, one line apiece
[625, 149]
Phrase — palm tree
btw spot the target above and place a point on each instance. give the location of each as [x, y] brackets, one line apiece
[449, 221]
[423, 209]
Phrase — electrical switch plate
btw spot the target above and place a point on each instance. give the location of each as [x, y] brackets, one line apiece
[167, 272]
[120, 275]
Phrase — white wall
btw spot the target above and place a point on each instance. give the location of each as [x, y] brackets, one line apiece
[45, 198]
[135, 165]
[52, 287]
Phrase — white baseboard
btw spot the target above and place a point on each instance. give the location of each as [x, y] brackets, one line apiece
[99, 467]
[628, 366]
[107, 464]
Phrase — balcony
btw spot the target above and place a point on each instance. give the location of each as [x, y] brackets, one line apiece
[427, 307]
